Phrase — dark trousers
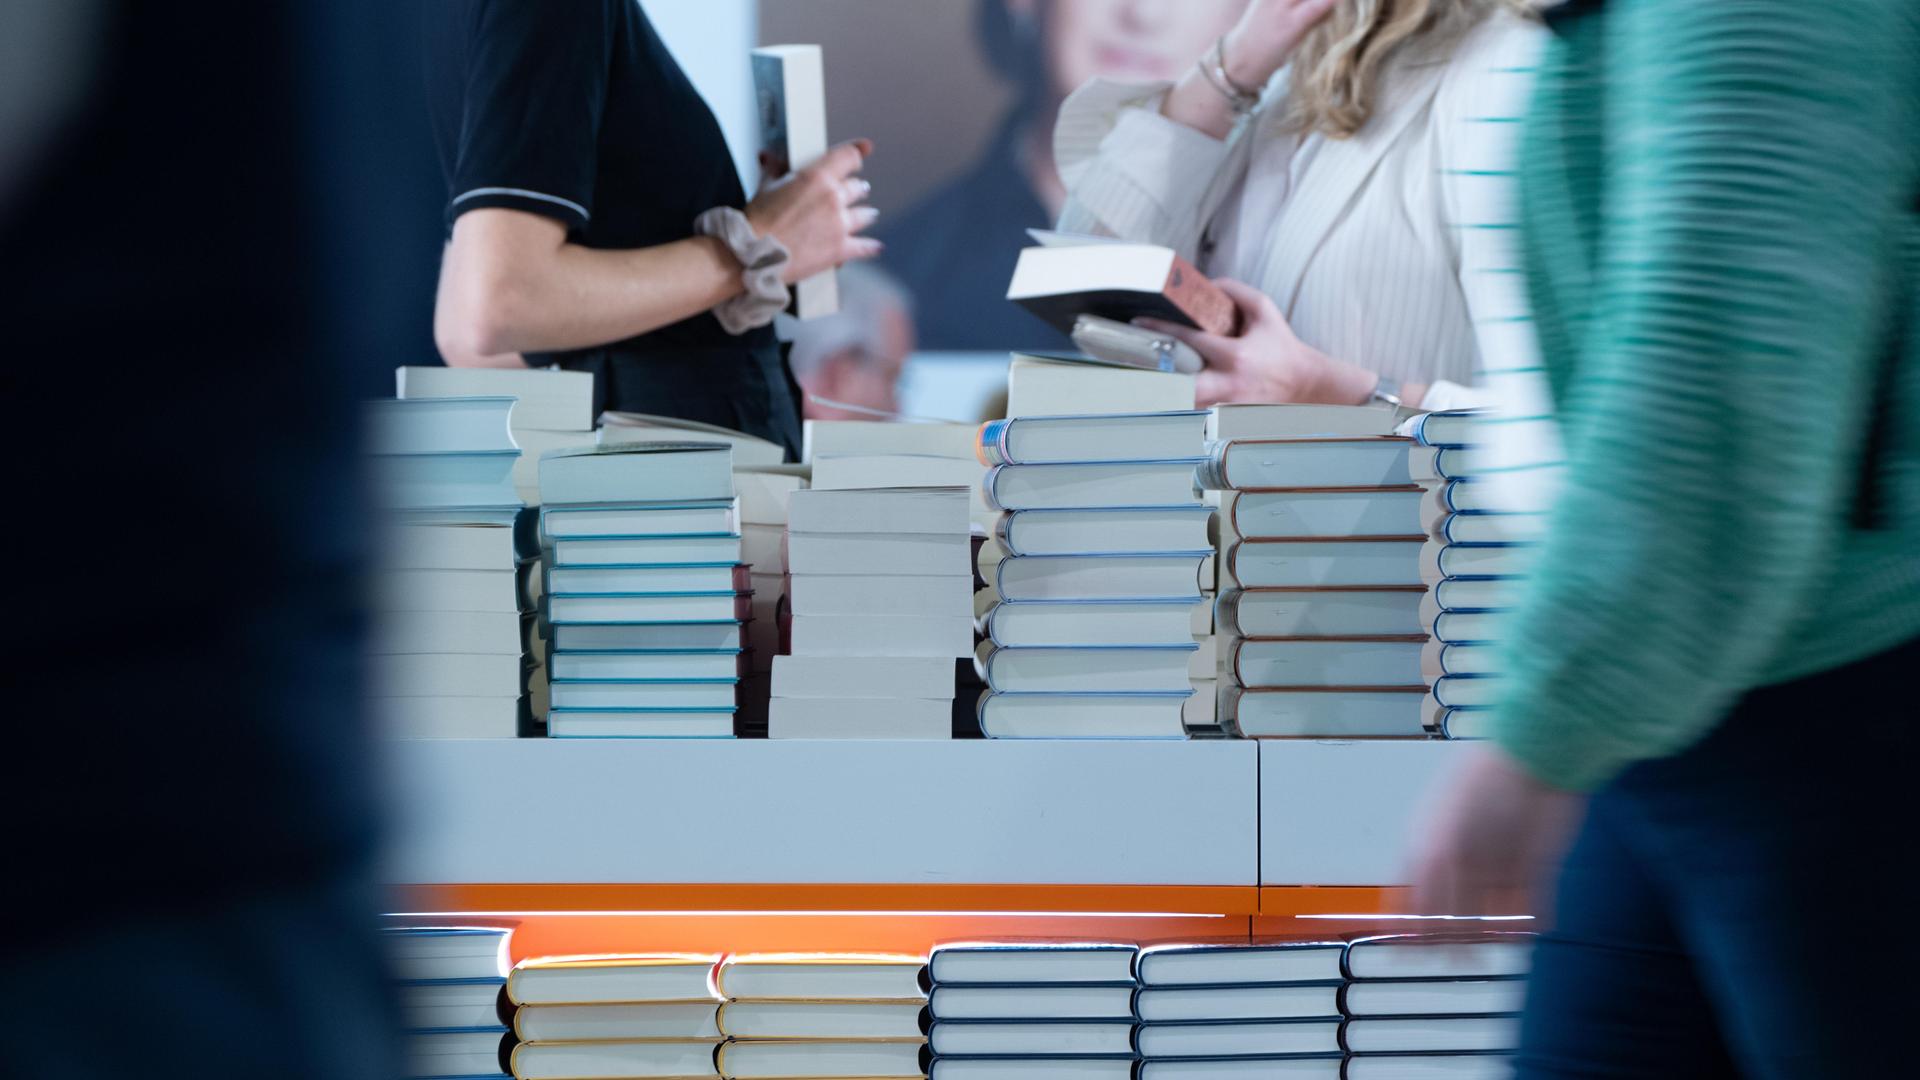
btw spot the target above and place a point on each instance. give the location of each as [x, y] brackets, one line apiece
[1745, 908]
[288, 985]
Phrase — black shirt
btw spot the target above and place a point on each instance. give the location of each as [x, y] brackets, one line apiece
[575, 110]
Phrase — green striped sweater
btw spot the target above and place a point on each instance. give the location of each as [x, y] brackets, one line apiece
[1718, 209]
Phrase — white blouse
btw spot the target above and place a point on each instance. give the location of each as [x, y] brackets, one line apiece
[1392, 249]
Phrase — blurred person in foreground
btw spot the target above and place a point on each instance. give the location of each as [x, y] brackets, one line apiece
[595, 219]
[1721, 204]
[854, 357]
[1337, 164]
[955, 249]
[204, 247]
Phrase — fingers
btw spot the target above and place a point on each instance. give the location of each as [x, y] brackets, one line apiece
[846, 158]
[1253, 303]
[855, 190]
[1211, 387]
[859, 217]
[1216, 351]
[861, 247]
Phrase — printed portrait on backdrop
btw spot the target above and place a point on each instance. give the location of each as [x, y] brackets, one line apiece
[975, 88]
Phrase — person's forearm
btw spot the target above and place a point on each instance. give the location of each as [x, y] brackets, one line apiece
[518, 296]
[1193, 101]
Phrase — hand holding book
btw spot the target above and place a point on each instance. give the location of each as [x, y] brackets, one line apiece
[1264, 361]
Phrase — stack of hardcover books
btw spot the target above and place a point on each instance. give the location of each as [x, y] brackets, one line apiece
[844, 454]
[1474, 562]
[452, 994]
[644, 593]
[879, 590]
[449, 644]
[796, 1017]
[1433, 1005]
[1319, 611]
[555, 409]
[1241, 1011]
[614, 1018]
[1004, 1012]
[1093, 572]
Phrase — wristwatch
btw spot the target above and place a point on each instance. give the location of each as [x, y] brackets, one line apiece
[1387, 392]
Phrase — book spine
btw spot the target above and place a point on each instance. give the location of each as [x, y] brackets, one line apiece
[1210, 308]
[1226, 613]
[1211, 474]
[990, 443]
[1003, 532]
[989, 488]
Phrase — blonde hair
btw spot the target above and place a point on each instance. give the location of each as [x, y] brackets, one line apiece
[1334, 83]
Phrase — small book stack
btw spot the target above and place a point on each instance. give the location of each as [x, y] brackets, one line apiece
[1094, 570]
[764, 491]
[1474, 561]
[845, 454]
[630, 427]
[452, 993]
[1009, 1012]
[818, 1017]
[1318, 617]
[1239, 1011]
[879, 589]
[1433, 1006]
[449, 644]
[555, 409]
[644, 592]
[615, 1018]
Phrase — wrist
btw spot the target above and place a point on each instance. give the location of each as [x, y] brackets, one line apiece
[1337, 382]
[1249, 61]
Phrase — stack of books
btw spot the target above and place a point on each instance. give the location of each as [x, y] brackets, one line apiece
[879, 589]
[451, 990]
[1474, 561]
[555, 410]
[764, 491]
[449, 644]
[1007, 1012]
[644, 593]
[615, 1017]
[1318, 617]
[802, 1017]
[1239, 1011]
[843, 454]
[1094, 572]
[1433, 1005]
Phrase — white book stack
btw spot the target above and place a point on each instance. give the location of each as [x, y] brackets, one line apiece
[631, 427]
[448, 649]
[1318, 615]
[615, 1018]
[764, 491]
[1239, 1011]
[1474, 561]
[555, 410]
[451, 988]
[1094, 573]
[1006, 1012]
[847, 454]
[879, 587]
[793, 1016]
[644, 594]
[1433, 1007]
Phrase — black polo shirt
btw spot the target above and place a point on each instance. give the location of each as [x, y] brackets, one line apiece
[575, 110]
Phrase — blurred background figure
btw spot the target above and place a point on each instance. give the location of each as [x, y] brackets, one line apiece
[1722, 234]
[217, 232]
[855, 356]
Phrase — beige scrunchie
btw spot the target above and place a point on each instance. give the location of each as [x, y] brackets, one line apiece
[762, 258]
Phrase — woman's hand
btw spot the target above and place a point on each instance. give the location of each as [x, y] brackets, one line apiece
[1265, 362]
[816, 212]
[1266, 35]
[1487, 843]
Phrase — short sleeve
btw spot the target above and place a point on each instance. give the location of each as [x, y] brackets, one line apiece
[535, 89]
